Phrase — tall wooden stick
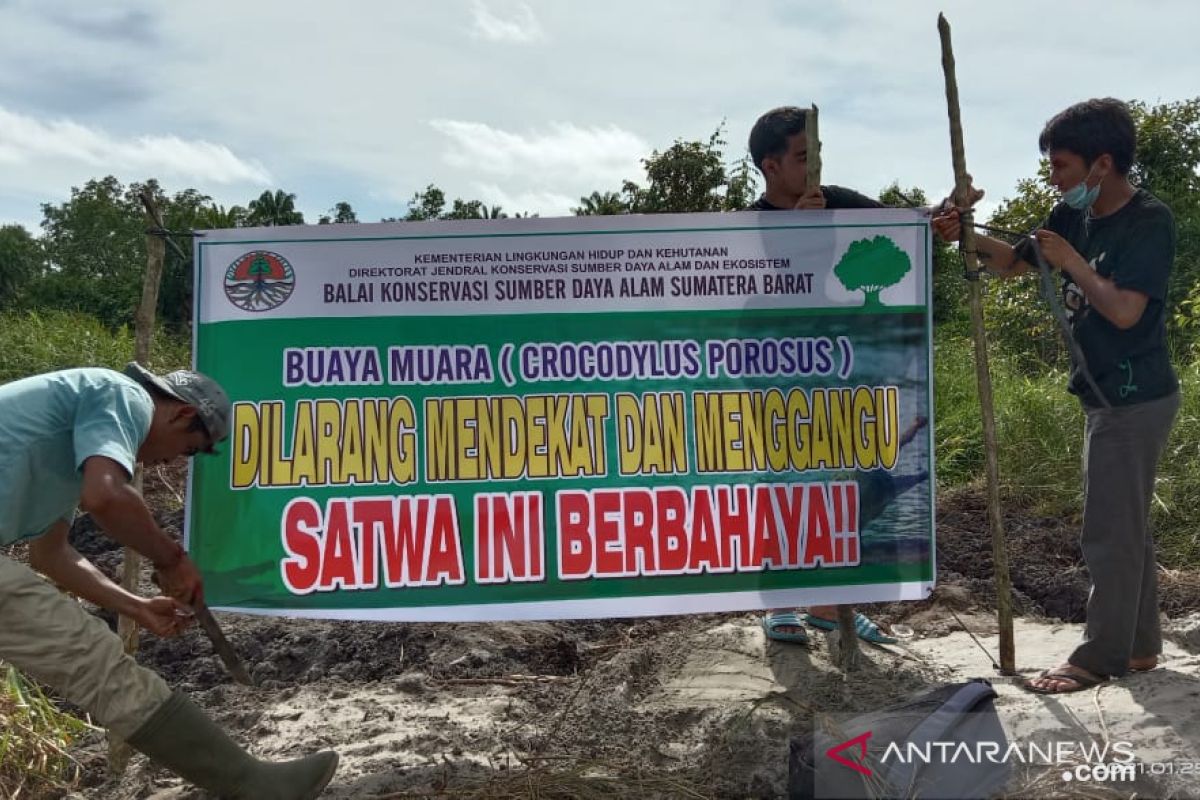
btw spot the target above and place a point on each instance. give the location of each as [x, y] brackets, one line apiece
[847, 655]
[131, 567]
[812, 155]
[962, 199]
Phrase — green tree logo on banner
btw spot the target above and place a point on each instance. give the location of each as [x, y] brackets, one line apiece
[872, 265]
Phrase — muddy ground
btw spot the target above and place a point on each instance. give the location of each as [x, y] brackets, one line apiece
[660, 707]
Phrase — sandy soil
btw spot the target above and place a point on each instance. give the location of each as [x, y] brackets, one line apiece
[660, 707]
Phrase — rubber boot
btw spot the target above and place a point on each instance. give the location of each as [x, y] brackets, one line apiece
[183, 738]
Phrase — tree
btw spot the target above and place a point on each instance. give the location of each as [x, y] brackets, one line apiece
[600, 204]
[95, 253]
[465, 209]
[340, 214]
[1168, 164]
[691, 176]
[278, 208]
[949, 289]
[872, 265]
[21, 259]
[430, 203]
[95, 250]
[214, 217]
[427, 204]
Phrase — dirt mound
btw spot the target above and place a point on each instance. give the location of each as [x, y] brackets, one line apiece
[1045, 561]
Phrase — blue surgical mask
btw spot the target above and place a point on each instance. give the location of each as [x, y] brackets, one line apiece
[1080, 197]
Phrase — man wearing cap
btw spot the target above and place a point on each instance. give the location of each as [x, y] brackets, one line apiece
[71, 439]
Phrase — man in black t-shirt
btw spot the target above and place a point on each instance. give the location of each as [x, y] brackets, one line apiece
[779, 148]
[1114, 244]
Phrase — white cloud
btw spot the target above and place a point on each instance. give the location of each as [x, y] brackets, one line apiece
[521, 28]
[30, 143]
[563, 152]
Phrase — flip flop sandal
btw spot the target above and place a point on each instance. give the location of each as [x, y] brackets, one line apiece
[1082, 682]
[867, 631]
[773, 624]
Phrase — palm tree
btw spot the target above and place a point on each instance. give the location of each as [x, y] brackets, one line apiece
[215, 216]
[274, 209]
[597, 204]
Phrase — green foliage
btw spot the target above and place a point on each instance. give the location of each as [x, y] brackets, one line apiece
[274, 208]
[691, 176]
[95, 246]
[1168, 164]
[426, 205]
[431, 204]
[872, 265]
[341, 214]
[215, 217]
[949, 289]
[95, 252]
[21, 259]
[1039, 428]
[34, 342]
[34, 738]
[600, 204]
[474, 209]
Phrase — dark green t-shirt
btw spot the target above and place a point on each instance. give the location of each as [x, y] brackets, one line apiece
[1134, 247]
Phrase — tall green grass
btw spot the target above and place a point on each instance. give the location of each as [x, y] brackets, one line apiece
[34, 737]
[42, 341]
[1039, 431]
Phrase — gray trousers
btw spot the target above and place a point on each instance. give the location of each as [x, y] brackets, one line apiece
[1121, 449]
[48, 636]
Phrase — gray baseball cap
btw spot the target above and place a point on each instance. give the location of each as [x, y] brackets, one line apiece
[194, 388]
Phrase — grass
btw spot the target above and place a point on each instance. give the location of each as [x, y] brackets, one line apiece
[34, 737]
[35, 342]
[1039, 431]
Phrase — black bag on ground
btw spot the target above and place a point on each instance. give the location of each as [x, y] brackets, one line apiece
[927, 760]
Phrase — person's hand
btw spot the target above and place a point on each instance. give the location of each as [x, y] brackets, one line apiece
[1057, 251]
[947, 225]
[811, 199]
[162, 616]
[181, 580]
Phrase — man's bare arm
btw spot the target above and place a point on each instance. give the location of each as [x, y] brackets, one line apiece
[52, 555]
[1000, 258]
[122, 513]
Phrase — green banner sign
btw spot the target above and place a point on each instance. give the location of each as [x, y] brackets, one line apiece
[552, 418]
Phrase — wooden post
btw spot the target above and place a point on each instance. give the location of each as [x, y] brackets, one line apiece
[131, 567]
[847, 653]
[812, 135]
[962, 199]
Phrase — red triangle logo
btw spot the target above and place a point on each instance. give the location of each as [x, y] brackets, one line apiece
[861, 742]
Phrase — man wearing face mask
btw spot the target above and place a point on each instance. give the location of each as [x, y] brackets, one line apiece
[1114, 244]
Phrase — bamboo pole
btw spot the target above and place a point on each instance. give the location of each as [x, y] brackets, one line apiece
[962, 199]
[847, 653]
[812, 155]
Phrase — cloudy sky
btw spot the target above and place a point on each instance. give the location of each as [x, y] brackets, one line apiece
[530, 104]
